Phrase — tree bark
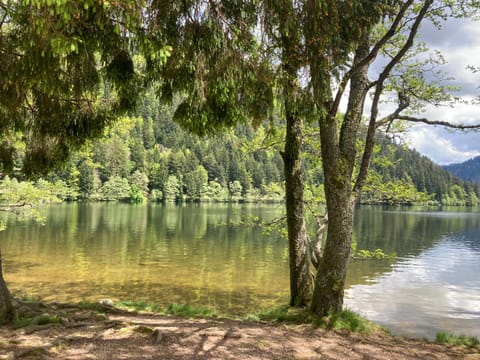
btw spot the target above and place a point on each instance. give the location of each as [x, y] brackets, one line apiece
[301, 281]
[338, 158]
[332, 270]
[300, 278]
[7, 310]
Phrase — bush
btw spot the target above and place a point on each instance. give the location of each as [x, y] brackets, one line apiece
[115, 189]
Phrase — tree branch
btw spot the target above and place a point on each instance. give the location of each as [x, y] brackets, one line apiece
[402, 105]
[370, 57]
[437, 122]
[316, 246]
[370, 139]
[13, 208]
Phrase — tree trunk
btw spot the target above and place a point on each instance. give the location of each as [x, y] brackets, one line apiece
[300, 278]
[338, 158]
[7, 310]
[332, 270]
[301, 282]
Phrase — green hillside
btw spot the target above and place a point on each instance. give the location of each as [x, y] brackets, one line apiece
[148, 156]
[399, 164]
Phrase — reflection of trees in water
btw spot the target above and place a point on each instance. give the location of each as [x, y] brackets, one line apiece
[151, 249]
[195, 253]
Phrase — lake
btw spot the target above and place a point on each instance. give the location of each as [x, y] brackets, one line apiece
[204, 255]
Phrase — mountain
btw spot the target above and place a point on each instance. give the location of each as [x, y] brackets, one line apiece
[468, 170]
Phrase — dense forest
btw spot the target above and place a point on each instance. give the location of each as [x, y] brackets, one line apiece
[405, 172]
[146, 155]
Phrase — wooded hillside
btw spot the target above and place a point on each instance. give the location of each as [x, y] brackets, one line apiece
[147, 155]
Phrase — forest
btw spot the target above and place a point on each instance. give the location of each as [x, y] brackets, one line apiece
[146, 156]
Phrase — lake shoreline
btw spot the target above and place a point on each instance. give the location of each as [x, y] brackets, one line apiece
[207, 256]
[115, 333]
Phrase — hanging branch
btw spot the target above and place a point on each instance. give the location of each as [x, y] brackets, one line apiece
[316, 246]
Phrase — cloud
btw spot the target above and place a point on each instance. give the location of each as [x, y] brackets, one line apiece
[441, 146]
[459, 42]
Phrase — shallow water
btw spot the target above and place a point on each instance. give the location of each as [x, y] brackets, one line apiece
[202, 255]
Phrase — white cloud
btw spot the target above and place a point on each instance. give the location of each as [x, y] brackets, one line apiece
[443, 147]
[459, 42]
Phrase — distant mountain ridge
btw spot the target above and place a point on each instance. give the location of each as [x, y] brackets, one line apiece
[468, 170]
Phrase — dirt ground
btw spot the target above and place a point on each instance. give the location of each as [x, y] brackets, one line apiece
[84, 334]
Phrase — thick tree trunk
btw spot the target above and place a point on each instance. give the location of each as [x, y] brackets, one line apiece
[301, 283]
[338, 158]
[7, 310]
[332, 269]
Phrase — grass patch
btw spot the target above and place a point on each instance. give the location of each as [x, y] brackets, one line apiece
[344, 320]
[42, 319]
[283, 313]
[85, 305]
[46, 319]
[27, 297]
[347, 320]
[139, 305]
[377, 254]
[21, 322]
[456, 340]
[185, 310]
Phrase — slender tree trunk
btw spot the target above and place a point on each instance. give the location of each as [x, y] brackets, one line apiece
[7, 310]
[300, 278]
[301, 282]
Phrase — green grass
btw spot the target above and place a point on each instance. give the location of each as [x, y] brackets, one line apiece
[43, 319]
[344, 320]
[348, 320]
[456, 340]
[185, 310]
[27, 297]
[21, 322]
[377, 254]
[85, 305]
[139, 305]
[50, 319]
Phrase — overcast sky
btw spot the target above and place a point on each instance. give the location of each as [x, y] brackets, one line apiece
[459, 42]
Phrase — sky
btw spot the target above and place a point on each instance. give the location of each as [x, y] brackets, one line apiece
[459, 42]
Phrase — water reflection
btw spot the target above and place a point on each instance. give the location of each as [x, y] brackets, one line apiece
[163, 254]
[434, 286]
[200, 255]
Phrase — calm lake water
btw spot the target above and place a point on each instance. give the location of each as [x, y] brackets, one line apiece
[203, 255]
